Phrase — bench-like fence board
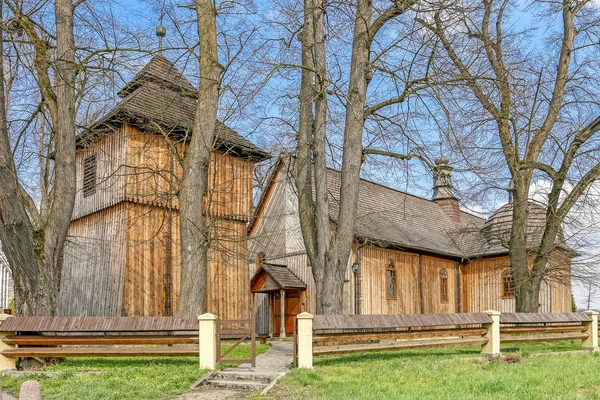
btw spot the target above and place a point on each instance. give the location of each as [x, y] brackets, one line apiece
[100, 324]
[395, 321]
[534, 318]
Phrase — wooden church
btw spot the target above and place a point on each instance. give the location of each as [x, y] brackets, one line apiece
[411, 255]
[122, 256]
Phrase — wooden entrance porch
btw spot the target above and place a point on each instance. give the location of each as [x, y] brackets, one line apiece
[285, 292]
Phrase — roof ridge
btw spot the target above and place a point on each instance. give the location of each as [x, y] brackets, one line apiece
[160, 70]
[405, 193]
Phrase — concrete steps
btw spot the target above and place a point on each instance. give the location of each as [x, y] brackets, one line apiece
[238, 379]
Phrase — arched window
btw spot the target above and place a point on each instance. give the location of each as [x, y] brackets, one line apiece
[508, 284]
[444, 286]
[390, 273]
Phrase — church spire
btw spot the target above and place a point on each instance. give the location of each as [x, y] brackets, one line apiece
[161, 31]
[443, 190]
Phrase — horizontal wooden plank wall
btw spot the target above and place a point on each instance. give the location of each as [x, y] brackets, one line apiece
[93, 267]
[110, 174]
[373, 262]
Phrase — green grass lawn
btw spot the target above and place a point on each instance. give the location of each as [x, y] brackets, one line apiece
[447, 374]
[121, 378]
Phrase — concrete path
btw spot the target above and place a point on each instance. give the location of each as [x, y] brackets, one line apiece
[229, 383]
[278, 358]
[6, 396]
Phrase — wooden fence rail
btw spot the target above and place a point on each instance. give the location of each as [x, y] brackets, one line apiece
[43, 337]
[338, 334]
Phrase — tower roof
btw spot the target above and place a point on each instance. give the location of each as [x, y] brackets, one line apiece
[159, 99]
[162, 72]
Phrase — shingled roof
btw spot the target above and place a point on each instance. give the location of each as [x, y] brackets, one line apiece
[281, 275]
[494, 236]
[159, 99]
[388, 217]
[391, 218]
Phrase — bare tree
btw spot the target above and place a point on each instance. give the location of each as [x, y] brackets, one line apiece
[33, 241]
[536, 102]
[194, 230]
[330, 252]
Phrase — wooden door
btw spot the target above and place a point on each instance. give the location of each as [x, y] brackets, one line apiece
[292, 308]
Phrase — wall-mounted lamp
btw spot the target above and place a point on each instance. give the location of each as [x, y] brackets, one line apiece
[355, 267]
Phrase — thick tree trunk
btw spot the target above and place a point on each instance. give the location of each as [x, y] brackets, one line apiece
[64, 188]
[333, 279]
[323, 230]
[195, 229]
[34, 251]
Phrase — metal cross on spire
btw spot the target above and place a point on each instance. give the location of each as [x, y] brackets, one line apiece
[161, 31]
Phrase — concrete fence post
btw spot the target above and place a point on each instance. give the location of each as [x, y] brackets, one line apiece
[591, 342]
[207, 337]
[305, 339]
[492, 347]
[6, 362]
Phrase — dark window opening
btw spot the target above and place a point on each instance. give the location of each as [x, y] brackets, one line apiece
[444, 286]
[89, 175]
[391, 280]
[508, 284]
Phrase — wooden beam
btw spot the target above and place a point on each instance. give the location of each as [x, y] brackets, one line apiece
[416, 344]
[421, 293]
[38, 340]
[361, 336]
[170, 351]
[457, 287]
[282, 312]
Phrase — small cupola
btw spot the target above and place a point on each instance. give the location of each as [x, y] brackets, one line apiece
[443, 190]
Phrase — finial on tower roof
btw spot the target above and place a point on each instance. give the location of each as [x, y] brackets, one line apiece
[161, 31]
[510, 190]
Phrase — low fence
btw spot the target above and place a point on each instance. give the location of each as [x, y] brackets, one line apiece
[338, 334]
[46, 337]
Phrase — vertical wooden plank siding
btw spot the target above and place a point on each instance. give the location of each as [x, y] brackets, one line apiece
[149, 159]
[269, 234]
[560, 285]
[127, 226]
[432, 267]
[482, 285]
[144, 290]
[373, 285]
[148, 173]
[93, 266]
[110, 174]
[228, 287]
